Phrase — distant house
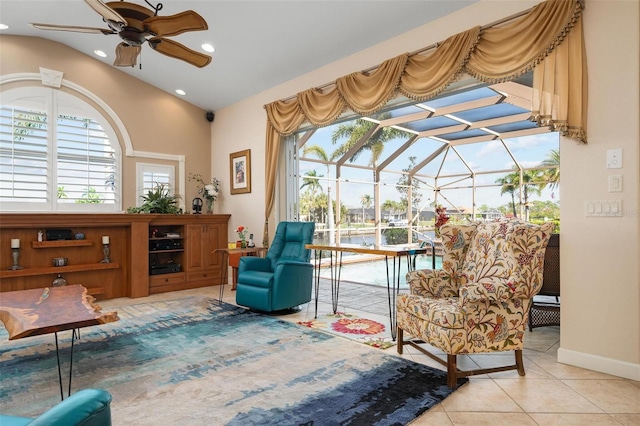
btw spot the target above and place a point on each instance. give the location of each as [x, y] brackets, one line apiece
[490, 214]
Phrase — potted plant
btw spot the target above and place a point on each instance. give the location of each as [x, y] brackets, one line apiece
[158, 200]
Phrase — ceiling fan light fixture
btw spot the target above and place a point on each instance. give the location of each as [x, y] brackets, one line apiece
[100, 53]
[136, 25]
[208, 47]
[181, 92]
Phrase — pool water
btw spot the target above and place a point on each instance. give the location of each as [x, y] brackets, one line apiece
[374, 272]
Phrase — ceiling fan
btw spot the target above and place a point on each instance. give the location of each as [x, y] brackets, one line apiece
[136, 24]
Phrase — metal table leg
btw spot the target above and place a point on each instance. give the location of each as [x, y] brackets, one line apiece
[393, 287]
[224, 273]
[335, 270]
[75, 335]
[318, 258]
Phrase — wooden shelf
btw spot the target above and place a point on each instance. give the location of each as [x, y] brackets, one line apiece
[61, 243]
[28, 272]
[166, 251]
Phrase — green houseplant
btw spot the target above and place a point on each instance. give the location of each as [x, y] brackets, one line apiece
[158, 200]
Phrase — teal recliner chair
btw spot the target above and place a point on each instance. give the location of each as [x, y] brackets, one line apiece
[284, 278]
[88, 407]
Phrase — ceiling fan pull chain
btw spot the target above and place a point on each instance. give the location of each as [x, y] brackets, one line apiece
[155, 8]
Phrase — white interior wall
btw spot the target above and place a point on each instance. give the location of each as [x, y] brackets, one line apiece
[600, 314]
[600, 273]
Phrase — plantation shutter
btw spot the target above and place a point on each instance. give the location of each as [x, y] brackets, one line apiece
[57, 153]
[23, 155]
[85, 162]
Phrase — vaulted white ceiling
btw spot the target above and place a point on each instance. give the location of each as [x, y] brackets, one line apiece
[259, 44]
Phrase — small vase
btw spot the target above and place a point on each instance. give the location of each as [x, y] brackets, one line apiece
[243, 244]
[59, 281]
[209, 205]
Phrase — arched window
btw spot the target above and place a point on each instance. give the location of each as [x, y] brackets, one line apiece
[57, 153]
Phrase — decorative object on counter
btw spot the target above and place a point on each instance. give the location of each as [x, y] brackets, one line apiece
[231, 244]
[196, 205]
[79, 236]
[59, 281]
[158, 200]
[40, 236]
[441, 218]
[251, 243]
[60, 261]
[58, 234]
[209, 191]
[15, 254]
[242, 234]
[105, 249]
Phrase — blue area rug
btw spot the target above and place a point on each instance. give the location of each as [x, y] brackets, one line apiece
[197, 361]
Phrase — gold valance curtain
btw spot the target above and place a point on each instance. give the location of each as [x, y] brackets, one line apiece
[547, 39]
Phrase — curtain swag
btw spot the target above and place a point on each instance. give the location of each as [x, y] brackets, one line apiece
[548, 40]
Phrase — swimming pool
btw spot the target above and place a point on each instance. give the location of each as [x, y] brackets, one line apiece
[374, 272]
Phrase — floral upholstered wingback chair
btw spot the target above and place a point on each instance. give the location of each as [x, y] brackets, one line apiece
[479, 301]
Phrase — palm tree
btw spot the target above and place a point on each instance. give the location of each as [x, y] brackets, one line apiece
[389, 206]
[365, 200]
[319, 152]
[403, 187]
[508, 186]
[552, 175]
[311, 182]
[355, 130]
[313, 186]
[531, 184]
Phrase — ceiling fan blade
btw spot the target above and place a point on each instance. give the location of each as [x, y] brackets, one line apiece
[166, 26]
[106, 12]
[126, 56]
[179, 51]
[89, 30]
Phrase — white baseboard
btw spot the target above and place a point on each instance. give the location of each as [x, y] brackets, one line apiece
[601, 364]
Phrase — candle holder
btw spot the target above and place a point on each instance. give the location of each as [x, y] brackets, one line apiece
[105, 252]
[15, 253]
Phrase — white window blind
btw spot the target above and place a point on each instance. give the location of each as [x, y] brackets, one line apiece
[149, 176]
[85, 162]
[70, 163]
[23, 155]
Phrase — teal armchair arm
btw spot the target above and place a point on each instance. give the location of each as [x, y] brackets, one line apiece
[251, 263]
[291, 271]
[88, 407]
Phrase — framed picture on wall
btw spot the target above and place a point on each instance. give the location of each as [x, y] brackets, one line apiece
[240, 170]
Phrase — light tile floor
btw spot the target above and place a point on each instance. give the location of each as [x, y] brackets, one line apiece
[551, 393]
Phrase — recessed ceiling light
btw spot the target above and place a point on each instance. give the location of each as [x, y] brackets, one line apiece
[181, 92]
[4, 27]
[208, 48]
[100, 53]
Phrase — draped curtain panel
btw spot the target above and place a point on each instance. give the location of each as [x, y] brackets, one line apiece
[548, 40]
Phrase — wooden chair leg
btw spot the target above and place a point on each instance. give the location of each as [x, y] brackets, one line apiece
[519, 362]
[399, 340]
[452, 371]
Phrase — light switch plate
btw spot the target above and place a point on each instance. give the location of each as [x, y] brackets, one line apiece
[614, 158]
[615, 183]
[603, 208]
